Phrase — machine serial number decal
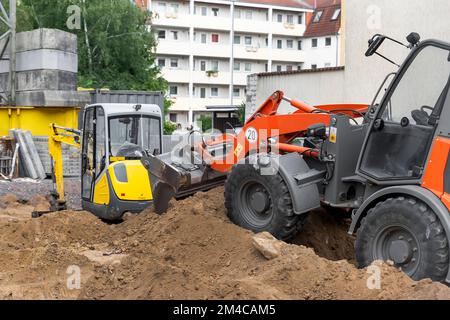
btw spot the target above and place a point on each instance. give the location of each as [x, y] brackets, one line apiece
[252, 135]
[238, 150]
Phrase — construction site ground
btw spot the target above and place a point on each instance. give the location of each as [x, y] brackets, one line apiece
[192, 252]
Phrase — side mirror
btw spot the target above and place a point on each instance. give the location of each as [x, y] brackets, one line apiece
[374, 44]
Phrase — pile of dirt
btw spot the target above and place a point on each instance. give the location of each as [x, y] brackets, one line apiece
[192, 252]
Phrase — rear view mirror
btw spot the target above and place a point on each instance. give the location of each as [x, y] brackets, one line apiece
[374, 44]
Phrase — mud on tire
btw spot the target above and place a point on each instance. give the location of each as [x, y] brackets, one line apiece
[408, 232]
[261, 203]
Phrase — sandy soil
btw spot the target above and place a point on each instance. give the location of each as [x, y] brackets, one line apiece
[192, 252]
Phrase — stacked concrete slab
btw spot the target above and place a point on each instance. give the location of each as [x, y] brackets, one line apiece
[47, 66]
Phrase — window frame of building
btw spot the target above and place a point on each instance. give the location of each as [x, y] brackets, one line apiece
[173, 117]
[174, 63]
[314, 43]
[314, 66]
[174, 8]
[215, 38]
[173, 90]
[290, 44]
[290, 18]
[248, 67]
[163, 6]
[279, 68]
[215, 11]
[203, 38]
[237, 39]
[161, 62]
[300, 19]
[279, 18]
[161, 34]
[336, 14]
[214, 65]
[289, 67]
[327, 65]
[237, 13]
[248, 43]
[299, 45]
[174, 34]
[203, 93]
[236, 92]
[279, 44]
[328, 42]
[318, 16]
[248, 15]
[214, 92]
[237, 66]
[204, 11]
[202, 65]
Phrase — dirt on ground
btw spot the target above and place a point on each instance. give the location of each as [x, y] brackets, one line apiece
[192, 252]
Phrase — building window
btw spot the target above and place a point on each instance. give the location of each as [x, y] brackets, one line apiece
[203, 38]
[236, 92]
[248, 41]
[299, 45]
[236, 66]
[327, 65]
[300, 19]
[318, 16]
[237, 13]
[290, 44]
[237, 40]
[267, 42]
[215, 65]
[175, 35]
[248, 15]
[328, 41]
[173, 117]
[203, 93]
[161, 7]
[300, 67]
[289, 68]
[314, 66]
[280, 44]
[279, 18]
[215, 38]
[290, 19]
[314, 43]
[215, 12]
[204, 11]
[266, 67]
[214, 92]
[161, 63]
[279, 68]
[174, 63]
[336, 14]
[161, 34]
[173, 90]
[202, 65]
[248, 67]
[174, 8]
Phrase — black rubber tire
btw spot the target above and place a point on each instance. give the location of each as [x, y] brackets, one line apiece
[283, 223]
[427, 235]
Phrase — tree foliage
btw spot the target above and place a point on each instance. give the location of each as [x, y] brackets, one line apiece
[115, 44]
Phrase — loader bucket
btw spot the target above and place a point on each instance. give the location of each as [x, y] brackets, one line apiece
[173, 179]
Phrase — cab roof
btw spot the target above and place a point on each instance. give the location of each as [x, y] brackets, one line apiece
[112, 109]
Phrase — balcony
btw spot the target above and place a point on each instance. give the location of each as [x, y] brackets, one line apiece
[288, 29]
[171, 20]
[202, 77]
[177, 48]
[197, 104]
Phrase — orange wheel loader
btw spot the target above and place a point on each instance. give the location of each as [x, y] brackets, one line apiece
[387, 163]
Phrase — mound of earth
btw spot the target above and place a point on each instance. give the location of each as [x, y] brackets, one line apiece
[192, 252]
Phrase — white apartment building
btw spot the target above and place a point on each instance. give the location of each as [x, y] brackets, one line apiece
[206, 55]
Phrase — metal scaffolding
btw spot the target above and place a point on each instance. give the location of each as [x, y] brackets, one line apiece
[8, 41]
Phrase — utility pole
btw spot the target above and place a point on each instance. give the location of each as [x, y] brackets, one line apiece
[232, 54]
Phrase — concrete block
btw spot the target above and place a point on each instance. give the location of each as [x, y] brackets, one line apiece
[53, 98]
[47, 39]
[43, 80]
[43, 59]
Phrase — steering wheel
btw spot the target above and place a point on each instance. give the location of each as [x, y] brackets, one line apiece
[421, 116]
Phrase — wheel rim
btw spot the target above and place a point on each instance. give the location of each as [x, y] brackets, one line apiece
[398, 244]
[255, 203]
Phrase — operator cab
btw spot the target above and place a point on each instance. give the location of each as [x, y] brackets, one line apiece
[115, 137]
[404, 125]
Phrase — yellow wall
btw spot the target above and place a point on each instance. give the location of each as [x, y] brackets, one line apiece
[37, 119]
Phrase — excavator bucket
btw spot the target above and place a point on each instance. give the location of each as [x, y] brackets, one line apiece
[172, 177]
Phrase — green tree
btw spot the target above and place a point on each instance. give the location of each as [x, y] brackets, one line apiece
[206, 122]
[240, 112]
